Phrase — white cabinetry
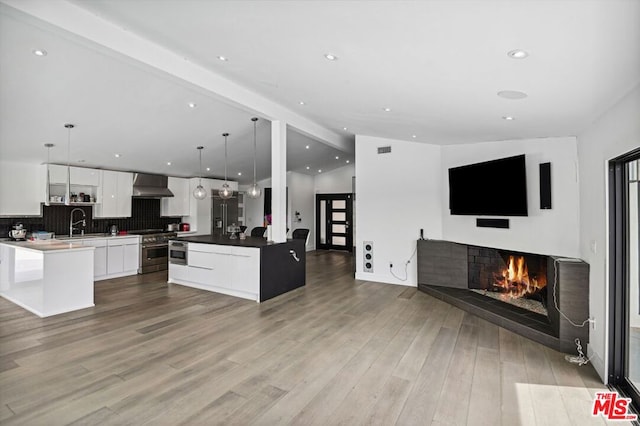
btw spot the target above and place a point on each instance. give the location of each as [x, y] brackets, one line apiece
[113, 257]
[223, 269]
[22, 189]
[114, 194]
[179, 204]
[99, 256]
[79, 175]
[122, 256]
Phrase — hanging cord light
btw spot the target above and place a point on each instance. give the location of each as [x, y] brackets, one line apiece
[254, 190]
[225, 192]
[67, 192]
[200, 193]
[47, 195]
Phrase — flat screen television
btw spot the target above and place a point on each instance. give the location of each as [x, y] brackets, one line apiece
[492, 188]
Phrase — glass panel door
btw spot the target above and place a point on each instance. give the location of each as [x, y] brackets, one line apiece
[333, 228]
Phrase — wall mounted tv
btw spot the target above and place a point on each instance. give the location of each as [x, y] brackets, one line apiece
[492, 188]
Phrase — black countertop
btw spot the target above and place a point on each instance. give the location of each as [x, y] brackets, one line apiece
[225, 241]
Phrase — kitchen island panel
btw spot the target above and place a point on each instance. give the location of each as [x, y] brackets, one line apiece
[47, 282]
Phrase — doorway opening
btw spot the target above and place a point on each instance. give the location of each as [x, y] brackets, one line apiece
[334, 217]
[624, 278]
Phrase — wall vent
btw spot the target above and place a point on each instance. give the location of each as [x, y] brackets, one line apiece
[384, 149]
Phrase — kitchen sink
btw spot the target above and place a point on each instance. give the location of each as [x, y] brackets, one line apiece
[77, 237]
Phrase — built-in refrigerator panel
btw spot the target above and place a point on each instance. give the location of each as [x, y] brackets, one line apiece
[224, 214]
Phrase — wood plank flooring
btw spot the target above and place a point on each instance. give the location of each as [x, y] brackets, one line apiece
[336, 352]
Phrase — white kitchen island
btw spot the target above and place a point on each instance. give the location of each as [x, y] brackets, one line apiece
[47, 277]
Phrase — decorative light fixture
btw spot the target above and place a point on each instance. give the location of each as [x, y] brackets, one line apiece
[48, 187]
[67, 191]
[517, 54]
[254, 190]
[200, 193]
[225, 192]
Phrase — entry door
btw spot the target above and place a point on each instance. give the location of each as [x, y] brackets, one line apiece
[333, 222]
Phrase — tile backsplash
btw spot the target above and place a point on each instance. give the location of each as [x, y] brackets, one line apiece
[145, 214]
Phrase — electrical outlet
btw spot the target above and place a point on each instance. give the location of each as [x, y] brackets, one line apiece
[592, 321]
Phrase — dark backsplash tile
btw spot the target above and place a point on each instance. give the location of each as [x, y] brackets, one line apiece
[145, 214]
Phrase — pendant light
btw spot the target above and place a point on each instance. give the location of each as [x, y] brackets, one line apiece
[225, 192]
[254, 190]
[67, 192]
[200, 193]
[47, 194]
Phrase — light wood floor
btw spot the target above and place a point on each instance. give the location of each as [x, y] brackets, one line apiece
[338, 351]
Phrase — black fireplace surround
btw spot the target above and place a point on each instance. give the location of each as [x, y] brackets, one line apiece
[450, 271]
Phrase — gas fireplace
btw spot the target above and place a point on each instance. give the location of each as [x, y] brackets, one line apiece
[516, 278]
[512, 289]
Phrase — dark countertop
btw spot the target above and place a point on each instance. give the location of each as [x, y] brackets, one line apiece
[225, 241]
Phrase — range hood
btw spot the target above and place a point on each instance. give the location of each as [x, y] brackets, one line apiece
[150, 186]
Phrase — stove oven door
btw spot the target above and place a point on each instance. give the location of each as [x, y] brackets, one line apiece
[154, 257]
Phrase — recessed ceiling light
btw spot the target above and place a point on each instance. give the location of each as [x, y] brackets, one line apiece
[168, 163]
[239, 173]
[39, 52]
[347, 161]
[517, 54]
[414, 136]
[319, 170]
[337, 158]
[344, 128]
[301, 103]
[192, 104]
[307, 147]
[208, 169]
[223, 58]
[512, 94]
[387, 109]
[116, 155]
[331, 57]
[508, 118]
[308, 167]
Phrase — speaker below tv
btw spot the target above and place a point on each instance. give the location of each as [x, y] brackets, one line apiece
[492, 223]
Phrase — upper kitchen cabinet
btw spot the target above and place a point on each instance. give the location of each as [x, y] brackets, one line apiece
[179, 204]
[80, 176]
[22, 189]
[84, 182]
[114, 194]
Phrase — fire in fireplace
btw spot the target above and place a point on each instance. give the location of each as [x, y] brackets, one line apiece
[516, 278]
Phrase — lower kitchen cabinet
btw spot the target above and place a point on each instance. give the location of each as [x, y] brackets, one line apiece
[114, 257]
[251, 269]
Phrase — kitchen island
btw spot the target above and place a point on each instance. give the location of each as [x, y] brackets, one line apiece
[47, 277]
[252, 268]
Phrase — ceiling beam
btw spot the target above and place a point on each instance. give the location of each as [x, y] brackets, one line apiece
[80, 22]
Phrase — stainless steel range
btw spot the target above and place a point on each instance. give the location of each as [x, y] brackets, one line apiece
[154, 249]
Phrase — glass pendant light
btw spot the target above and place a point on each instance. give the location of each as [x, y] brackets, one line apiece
[200, 193]
[67, 192]
[225, 192]
[47, 194]
[254, 190]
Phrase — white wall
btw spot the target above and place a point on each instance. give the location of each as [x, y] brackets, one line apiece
[547, 232]
[397, 194]
[613, 134]
[336, 181]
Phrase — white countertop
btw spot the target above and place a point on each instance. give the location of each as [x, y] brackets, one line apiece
[45, 246]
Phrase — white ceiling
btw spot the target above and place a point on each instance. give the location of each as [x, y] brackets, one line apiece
[437, 64]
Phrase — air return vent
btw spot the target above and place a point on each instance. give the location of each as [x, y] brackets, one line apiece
[384, 149]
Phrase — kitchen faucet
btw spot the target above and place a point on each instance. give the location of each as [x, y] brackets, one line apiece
[72, 223]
